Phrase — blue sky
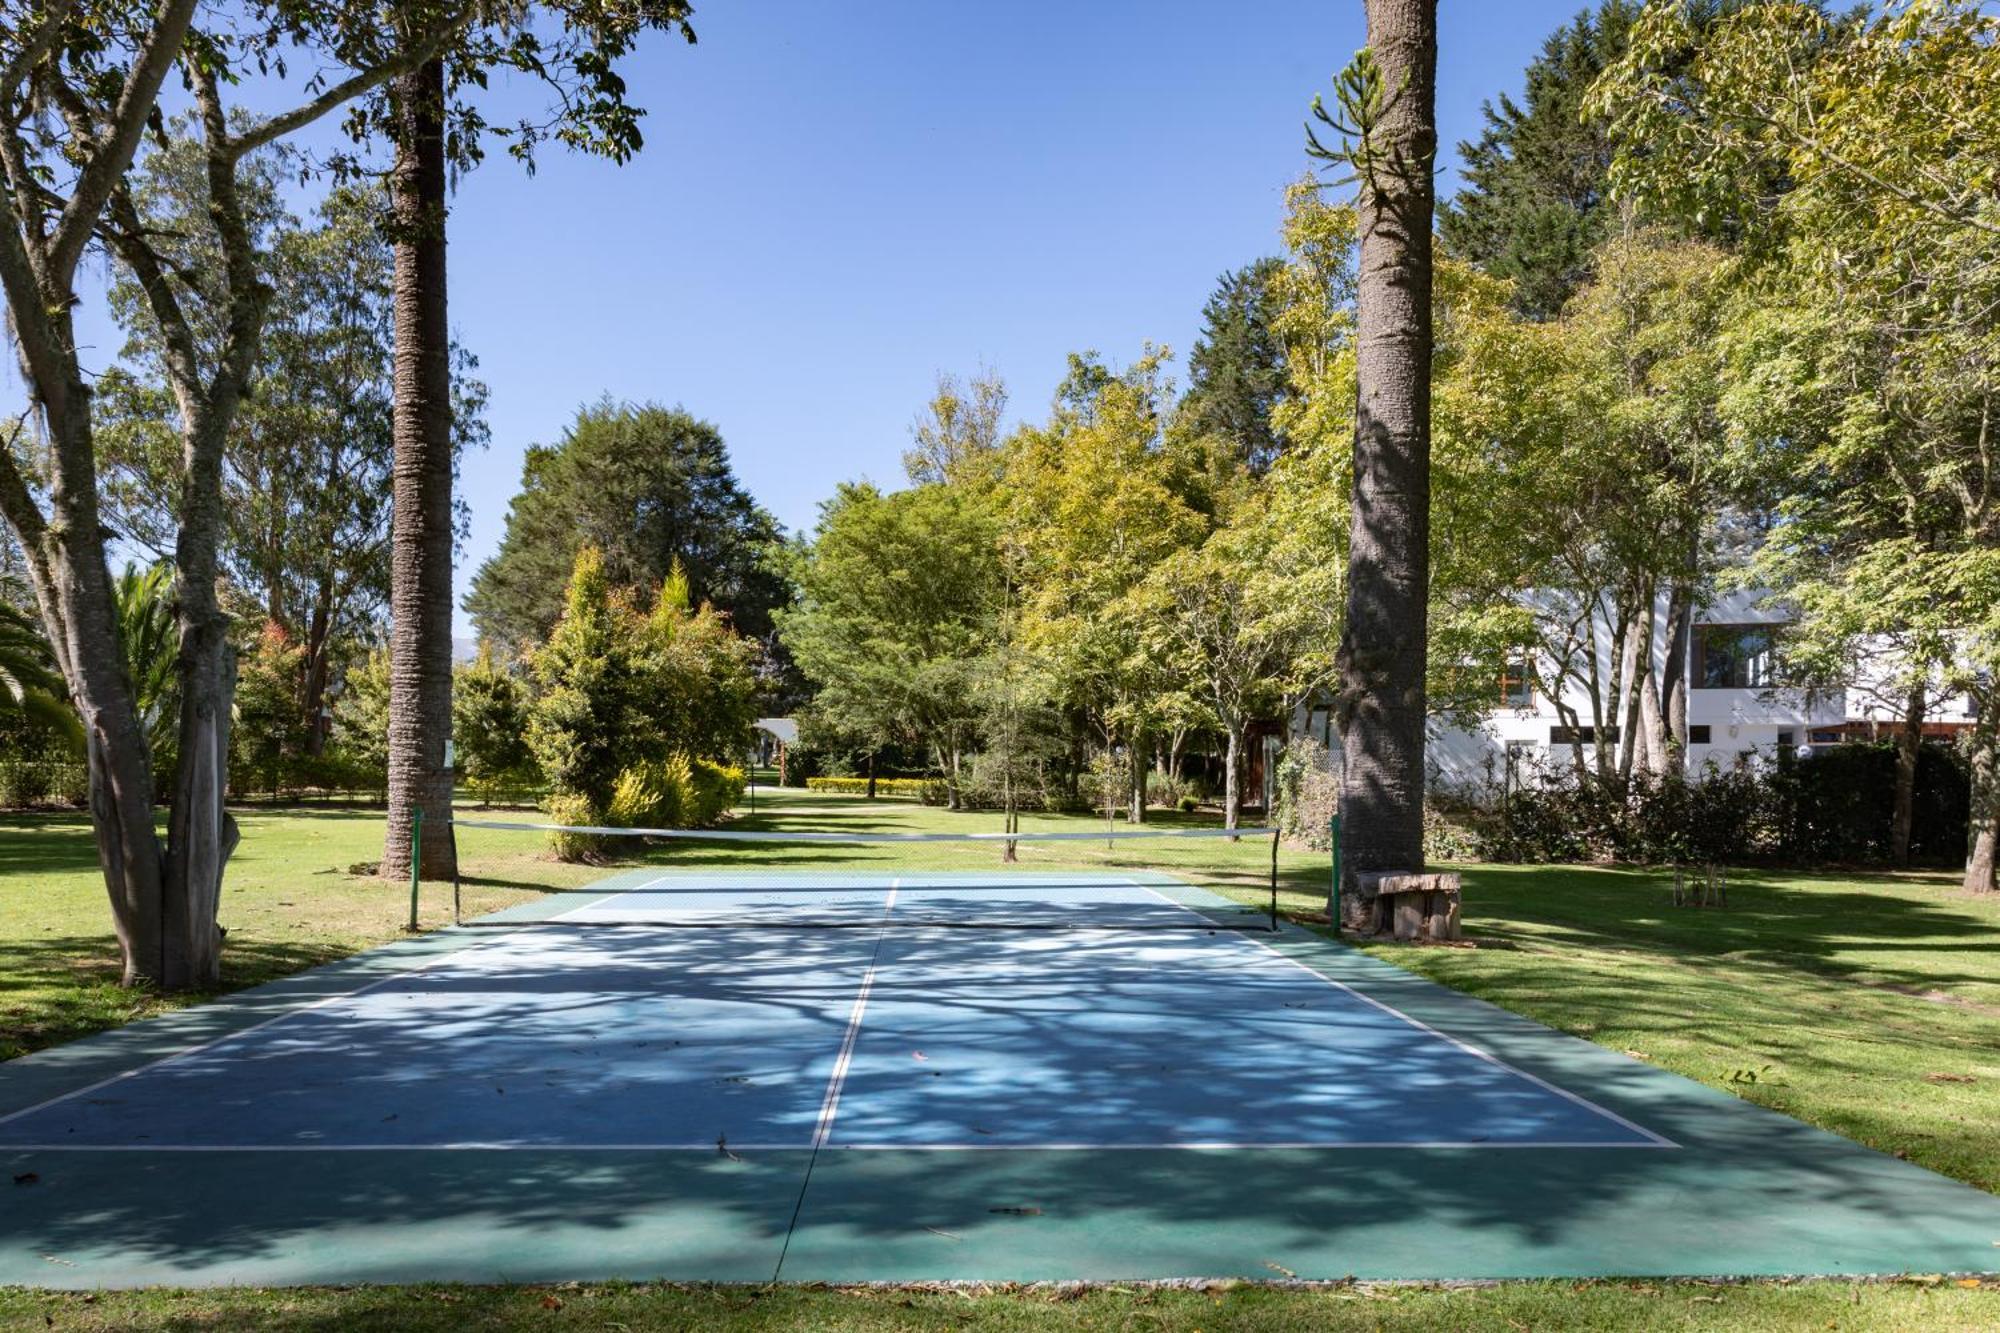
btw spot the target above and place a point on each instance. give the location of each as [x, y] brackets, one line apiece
[839, 200]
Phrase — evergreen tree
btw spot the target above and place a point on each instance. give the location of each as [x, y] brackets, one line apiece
[647, 486]
[1237, 372]
[1537, 201]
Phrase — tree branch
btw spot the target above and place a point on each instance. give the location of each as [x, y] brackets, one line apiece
[112, 153]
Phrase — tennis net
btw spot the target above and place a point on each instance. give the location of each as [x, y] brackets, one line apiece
[1122, 879]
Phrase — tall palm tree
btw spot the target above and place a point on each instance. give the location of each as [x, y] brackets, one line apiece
[420, 530]
[1389, 96]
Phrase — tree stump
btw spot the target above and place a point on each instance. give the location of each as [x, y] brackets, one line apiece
[1404, 905]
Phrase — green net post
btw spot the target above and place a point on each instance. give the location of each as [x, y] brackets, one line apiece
[1333, 895]
[1274, 881]
[416, 859]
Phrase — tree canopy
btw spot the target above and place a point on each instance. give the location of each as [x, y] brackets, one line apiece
[647, 487]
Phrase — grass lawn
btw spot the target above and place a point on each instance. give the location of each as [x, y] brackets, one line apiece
[1867, 1004]
[1935, 1307]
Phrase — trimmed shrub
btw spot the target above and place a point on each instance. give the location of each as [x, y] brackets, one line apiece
[902, 788]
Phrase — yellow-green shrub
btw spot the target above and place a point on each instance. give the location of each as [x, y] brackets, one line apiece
[572, 808]
[912, 788]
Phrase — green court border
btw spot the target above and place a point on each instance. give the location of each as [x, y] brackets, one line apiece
[1748, 1193]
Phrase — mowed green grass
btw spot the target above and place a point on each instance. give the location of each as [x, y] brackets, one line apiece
[1933, 1306]
[1868, 1004]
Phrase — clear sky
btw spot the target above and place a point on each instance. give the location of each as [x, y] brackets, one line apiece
[839, 200]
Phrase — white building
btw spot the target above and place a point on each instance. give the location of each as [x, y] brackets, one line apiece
[1735, 716]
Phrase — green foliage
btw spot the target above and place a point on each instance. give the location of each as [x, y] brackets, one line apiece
[901, 787]
[489, 718]
[1308, 794]
[585, 719]
[267, 736]
[361, 716]
[639, 714]
[1236, 373]
[32, 696]
[898, 599]
[1536, 201]
[574, 810]
[150, 634]
[649, 488]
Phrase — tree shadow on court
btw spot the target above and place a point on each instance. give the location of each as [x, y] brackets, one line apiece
[730, 1036]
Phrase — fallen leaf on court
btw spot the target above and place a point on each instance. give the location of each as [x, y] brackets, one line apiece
[981, 1129]
[26, 1178]
[722, 1146]
[1017, 1212]
[918, 1055]
[1279, 1268]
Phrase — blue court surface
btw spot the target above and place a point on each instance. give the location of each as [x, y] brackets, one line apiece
[639, 1085]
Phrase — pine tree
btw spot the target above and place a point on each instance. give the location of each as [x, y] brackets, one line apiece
[1536, 201]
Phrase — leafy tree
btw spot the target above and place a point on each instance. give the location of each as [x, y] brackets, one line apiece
[618, 694]
[268, 735]
[958, 436]
[80, 84]
[1537, 200]
[1863, 361]
[648, 487]
[1236, 374]
[306, 467]
[586, 705]
[1389, 101]
[1096, 498]
[897, 598]
[489, 725]
[361, 715]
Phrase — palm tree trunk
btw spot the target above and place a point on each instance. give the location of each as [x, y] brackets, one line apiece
[1383, 647]
[421, 536]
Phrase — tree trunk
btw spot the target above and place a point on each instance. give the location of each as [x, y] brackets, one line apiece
[1135, 771]
[1909, 743]
[1983, 823]
[1636, 665]
[421, 536]
[1674, 674]
[80, 612]
[1232, 782]
[1384, 644]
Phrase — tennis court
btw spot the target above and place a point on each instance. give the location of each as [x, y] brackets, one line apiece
[825, 1075]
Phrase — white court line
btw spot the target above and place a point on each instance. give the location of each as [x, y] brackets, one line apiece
[830, 1106]
[182, 1054]
[1657, 1140]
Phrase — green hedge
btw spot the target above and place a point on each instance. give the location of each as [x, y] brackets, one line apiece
[910, 788]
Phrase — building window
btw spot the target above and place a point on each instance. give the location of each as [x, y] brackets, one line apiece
[1732, 657]
[1788, 746]
[1517, 685]
[1698, 735]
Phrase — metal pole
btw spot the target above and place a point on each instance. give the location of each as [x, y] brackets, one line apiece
[1274, 881]
[416, 859]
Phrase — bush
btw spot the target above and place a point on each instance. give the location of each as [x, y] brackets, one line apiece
[1188, 804]
[1308, 794]
[1168, 790]
[573, 808]
[712, 790]
[904, 788]
[1832, 808]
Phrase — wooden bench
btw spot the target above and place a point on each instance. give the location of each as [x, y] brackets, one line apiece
[1403, 905]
